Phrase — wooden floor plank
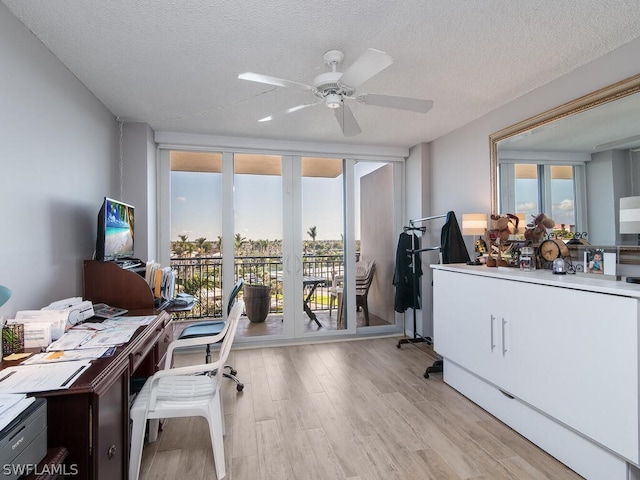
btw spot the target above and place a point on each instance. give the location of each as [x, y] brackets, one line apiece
[350, 410]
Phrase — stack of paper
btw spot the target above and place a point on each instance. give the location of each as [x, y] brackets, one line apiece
[41, 326]
[161, 280]
[11, 405]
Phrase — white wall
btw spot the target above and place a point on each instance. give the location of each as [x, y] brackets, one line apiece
[460, 160]
[139, 188]
[58, 157]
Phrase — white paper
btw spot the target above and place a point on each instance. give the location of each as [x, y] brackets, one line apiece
[71, 340]
[63, 304]
[57, 319]
[41, 377]
[90, 326]
[66, 356]
[140, 321]
[111, 337]
[7, 416]
[36, 334]
[7, 400]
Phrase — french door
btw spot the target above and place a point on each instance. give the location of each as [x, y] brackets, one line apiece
[293, 228]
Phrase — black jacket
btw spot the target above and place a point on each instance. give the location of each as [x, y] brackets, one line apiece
[451, 242]
[407, 281]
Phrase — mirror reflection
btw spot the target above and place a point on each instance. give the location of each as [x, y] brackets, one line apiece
[573, 163]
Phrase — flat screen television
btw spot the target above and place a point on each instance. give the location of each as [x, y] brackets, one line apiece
[115, 231]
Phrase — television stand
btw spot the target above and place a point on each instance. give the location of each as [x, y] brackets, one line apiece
[107, 282]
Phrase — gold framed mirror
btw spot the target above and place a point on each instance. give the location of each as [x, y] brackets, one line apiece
[617, 91]
[608, 118]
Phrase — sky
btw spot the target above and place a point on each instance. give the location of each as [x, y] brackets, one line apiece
[196, 205]
[562, 210]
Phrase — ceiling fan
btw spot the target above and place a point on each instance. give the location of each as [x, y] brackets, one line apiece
[332, 88]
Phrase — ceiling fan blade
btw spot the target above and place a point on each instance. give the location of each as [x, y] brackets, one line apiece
[403, 103]
[347, 121]
[288, 110]
[369, 64]
[278, 82]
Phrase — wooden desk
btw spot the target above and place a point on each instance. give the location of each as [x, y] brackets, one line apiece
[52, 467]
[91, 419]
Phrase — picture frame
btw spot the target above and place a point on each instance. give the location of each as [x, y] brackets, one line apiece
[601, 263]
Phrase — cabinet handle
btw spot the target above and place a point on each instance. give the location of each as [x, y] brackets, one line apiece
[493, 345]
[504, 338]
[111, 451]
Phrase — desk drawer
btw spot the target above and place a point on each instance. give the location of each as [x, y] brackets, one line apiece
[141, 352]
[163, 344]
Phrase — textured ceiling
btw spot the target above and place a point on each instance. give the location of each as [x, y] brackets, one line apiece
[174, 63]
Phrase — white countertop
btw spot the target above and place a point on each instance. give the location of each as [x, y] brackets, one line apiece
[586, 282]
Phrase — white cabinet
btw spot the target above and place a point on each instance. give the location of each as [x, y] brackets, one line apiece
[468, 328]
[570, 354]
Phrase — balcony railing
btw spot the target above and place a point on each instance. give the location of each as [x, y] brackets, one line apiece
[202, 278]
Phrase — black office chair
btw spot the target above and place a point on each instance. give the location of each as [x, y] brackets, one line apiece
[205, 329]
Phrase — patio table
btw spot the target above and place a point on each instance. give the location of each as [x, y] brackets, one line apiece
[310, 284]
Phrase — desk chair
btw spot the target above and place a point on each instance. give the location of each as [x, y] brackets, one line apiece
[209, 329]
[184, 392]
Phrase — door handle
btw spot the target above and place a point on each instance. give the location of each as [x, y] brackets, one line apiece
[286, 264]
[492, 343]
[504, 337]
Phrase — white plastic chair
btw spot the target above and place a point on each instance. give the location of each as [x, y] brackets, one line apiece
[185, 392]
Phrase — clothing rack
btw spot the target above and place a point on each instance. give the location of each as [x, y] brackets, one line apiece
[415, 280]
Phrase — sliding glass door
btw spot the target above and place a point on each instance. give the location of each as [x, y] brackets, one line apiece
[258, 242]
[298, 230]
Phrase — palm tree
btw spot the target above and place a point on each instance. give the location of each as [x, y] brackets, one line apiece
[239, 241]
[313, 233]
[200, 244]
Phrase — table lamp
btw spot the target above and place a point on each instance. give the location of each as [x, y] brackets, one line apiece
[630, 222]
[474, 224]
[5, 295]
[630, 215]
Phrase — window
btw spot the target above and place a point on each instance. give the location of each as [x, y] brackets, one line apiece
[533, 188]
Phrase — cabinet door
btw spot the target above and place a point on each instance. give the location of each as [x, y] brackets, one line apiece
[574, 356]
[111, 431]
[466, 330]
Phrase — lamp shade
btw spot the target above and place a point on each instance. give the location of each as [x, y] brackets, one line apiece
[630, 215]
[5, 294]
[474, 223]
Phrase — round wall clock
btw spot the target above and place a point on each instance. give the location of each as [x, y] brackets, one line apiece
[549, 250]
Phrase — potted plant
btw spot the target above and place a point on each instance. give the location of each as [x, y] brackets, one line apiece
[257, 299]
[12, 338]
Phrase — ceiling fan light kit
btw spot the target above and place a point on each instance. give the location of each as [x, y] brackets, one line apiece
[333, 100]
[334, 87]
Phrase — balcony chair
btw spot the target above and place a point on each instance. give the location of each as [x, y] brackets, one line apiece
[184, 392]
[364, 276]
[209, 329]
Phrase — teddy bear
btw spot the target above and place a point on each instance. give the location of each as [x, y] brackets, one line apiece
[501, 229]
[498, 238]
[537, 229]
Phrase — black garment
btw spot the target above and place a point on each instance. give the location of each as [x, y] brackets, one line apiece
[407, 281]
[451, 242]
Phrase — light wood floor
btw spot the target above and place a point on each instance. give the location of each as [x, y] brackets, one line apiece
[357, 410]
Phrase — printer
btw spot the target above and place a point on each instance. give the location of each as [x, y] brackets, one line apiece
[23, 443]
